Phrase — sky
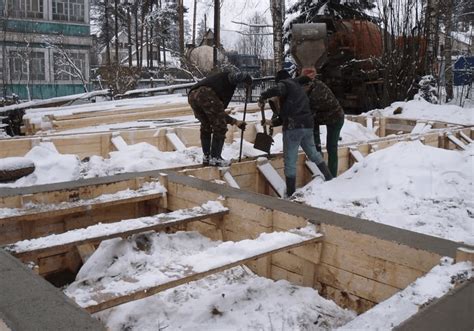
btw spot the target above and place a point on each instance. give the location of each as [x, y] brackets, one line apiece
[231, 10]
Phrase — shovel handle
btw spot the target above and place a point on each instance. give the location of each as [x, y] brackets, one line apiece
[263, 119]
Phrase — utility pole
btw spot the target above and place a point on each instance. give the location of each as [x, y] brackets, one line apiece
[217, 23]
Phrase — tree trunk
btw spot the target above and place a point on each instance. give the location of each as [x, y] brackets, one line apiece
[107, 32]
[117, 60]
[277, 15]
[181, 28]
[194, 22]
[448, 45]
[129, 32]
[217, 23]
[137, 39]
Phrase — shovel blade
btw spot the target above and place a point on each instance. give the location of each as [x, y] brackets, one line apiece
[263, 142]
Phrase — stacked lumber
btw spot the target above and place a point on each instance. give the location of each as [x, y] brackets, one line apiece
[111, 113]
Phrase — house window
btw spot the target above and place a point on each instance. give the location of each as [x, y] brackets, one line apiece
[27, 66]
[68, 10]
[25, 8]
[65, 71]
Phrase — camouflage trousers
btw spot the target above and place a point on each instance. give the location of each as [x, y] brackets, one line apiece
[210, 111]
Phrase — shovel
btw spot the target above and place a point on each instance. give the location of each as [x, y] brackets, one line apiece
[263, 141]
[247, 93]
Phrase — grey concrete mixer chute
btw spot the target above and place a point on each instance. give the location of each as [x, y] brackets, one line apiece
[309, 44]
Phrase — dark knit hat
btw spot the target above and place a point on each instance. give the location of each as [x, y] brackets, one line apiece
[281, 75]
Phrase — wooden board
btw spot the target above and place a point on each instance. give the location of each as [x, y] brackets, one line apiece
[62, 242]
[108, 300]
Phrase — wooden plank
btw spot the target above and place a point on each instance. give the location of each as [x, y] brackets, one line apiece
[464, 254]
[280, 273]
[97, 233]
[109, 300]
[356, 154]
[465, 137]
[357, 262]
[383, 249]
[175, 141]
[86, 206]
[354, 284]
[85, 251]
[344, 299]
[313, 168]
[458, 143]
[230, 180]
[272, 176]
[119, 143]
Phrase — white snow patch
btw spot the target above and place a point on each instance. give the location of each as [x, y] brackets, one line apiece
[406, 303]
[408, 185]
[423, 110]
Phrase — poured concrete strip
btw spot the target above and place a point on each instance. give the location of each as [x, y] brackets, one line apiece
[28, 302]
[454, 311]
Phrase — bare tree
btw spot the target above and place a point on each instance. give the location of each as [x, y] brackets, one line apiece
[278, 10]
[65, 63]
[255, 37]
[447, 6]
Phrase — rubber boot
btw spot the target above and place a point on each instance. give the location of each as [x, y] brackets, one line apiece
[290, 186]
[325, 171]
[216, 150]
[206, 138]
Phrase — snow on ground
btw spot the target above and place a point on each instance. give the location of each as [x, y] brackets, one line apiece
[423, 110]
[406, 303]
[52, 167]
[410, 186]
[232, 300]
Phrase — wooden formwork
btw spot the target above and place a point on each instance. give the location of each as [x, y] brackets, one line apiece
[357, 264]
[87, 145]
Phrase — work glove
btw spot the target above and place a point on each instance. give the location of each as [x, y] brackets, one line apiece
[240, 124]
[261, 102]
[266, 122]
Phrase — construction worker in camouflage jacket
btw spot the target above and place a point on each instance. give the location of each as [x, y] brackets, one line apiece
[209, 98]
[327, 111]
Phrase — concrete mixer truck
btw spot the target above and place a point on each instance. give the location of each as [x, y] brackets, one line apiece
[346, 54]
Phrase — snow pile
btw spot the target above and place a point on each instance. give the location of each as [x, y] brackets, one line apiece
[423, 110]
[409, 185]
[51, 167]
[406, 303]
[140, 157]
[14, 163]
[232, 300]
